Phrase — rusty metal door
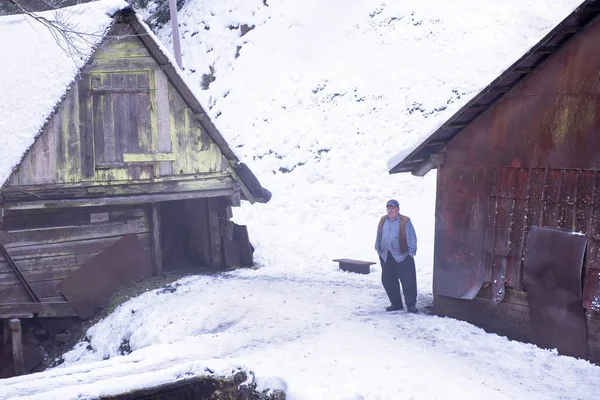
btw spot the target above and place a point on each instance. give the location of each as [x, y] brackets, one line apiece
[552, 271]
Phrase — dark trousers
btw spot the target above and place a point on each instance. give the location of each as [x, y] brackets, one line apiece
[391, 271]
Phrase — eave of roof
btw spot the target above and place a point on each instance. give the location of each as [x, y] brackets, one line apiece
[427, 155]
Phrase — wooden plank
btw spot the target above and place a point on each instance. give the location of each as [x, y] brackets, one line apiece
[67, 129]
[108, 123]
[55, 218]
[46, 236]
[179, 136]
[156, 241]
[163, 119]
[98, 131]
[194, 161]
[121, 47]
[144, 124]
[53, 299]
[17, 346]
[120, 119]
[25, 170]
[86, 129]
[14, 179]
[49, 143]
[98, 65]
[15, 315]
[511, 296]
[214, 231]
[131, 140]
[118, 200]
[152, 157]
[134, 187]
[43, 269]
[63, 249]
[50, 309]
[14, 294]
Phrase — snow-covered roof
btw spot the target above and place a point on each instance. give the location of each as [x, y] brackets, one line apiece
[37, 70]
[416, 157]
[43, 64]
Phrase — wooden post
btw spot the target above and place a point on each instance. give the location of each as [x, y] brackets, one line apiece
[5, 331]
[17, 346]
[214, 231]
[156, 244]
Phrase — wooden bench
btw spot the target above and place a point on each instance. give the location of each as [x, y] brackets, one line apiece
[361, 267]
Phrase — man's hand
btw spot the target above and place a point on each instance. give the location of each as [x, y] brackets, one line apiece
[412, 254]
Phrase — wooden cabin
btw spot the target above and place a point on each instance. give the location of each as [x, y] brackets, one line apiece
[128, 177]
[517, 217]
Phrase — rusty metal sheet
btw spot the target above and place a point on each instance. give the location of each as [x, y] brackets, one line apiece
[460, 232]
[552, 271]
[90, 287]
[499, 279]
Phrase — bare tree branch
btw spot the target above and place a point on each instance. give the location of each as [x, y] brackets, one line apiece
[68, 36]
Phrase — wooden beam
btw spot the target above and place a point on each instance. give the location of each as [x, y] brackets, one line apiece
[45, 310]
[150, 157]
[155, 239]
[500, 89]
[118, 200]
[511, 296]
[434, 161]
[60, 192]
[243, 187]
[546, 49]
[17, 346]
[522, 70]
[459, 125]
[479, 107]
[235, 200]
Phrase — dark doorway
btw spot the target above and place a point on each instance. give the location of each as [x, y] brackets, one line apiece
[184, 234]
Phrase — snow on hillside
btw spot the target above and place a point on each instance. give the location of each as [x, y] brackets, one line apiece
[330, 90]
[322, 94]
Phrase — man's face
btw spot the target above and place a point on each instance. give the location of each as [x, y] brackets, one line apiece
[393, 212]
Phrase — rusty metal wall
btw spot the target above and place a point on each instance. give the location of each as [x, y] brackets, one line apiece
[552, 119]
[536, 155]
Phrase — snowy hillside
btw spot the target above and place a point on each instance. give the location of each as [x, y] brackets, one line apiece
[316, 97]
[330, 90]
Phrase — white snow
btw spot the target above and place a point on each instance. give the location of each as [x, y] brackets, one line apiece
[328, 90]
[36, 71]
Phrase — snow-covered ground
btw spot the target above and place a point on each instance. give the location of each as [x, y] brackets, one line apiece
[322, 94]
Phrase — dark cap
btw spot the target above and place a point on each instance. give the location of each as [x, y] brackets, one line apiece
[393, 203]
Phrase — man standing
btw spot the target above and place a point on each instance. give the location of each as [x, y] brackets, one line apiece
[396, 245]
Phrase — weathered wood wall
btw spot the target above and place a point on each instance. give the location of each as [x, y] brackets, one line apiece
[121, 121]
[47, 244]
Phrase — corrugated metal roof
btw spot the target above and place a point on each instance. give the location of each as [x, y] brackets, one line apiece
[420, 160]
